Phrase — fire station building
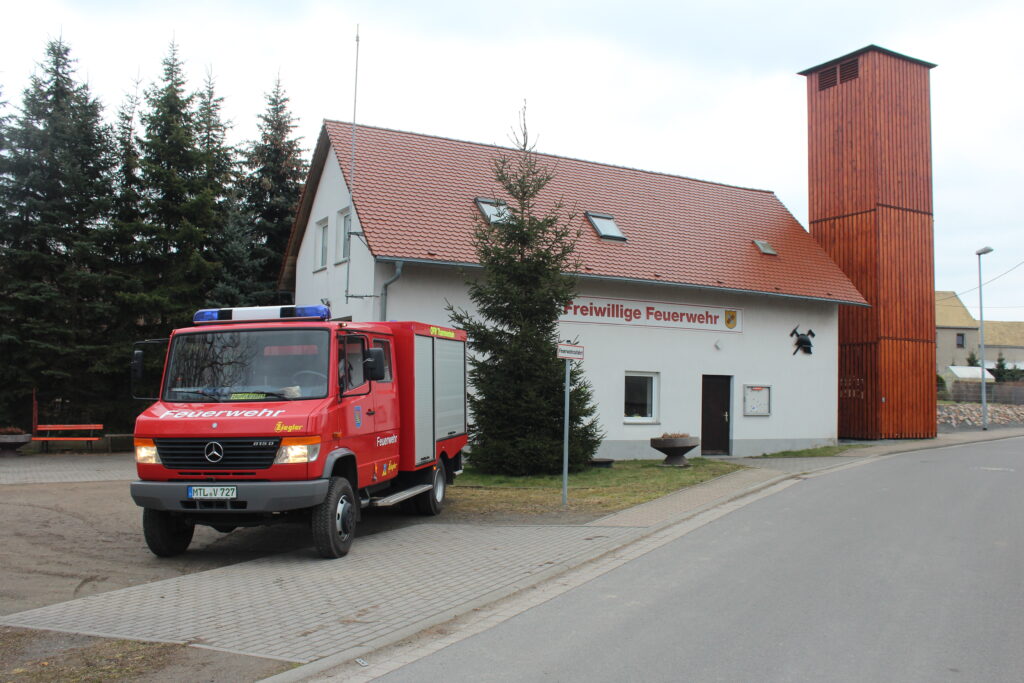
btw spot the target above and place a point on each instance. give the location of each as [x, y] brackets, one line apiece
[703, 308]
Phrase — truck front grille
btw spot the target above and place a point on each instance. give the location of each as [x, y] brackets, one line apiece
[235, 453]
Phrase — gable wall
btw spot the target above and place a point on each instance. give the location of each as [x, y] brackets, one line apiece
[804, 387]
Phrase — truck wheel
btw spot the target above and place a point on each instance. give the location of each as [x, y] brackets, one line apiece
[430, 502]
[224, 528]
[166, 534]
[334, 520]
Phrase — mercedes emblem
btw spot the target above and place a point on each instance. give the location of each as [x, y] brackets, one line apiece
[214, 452]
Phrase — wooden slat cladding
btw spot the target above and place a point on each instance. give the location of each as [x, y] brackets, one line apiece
[908, 411]
[873, 132]
[869, 162]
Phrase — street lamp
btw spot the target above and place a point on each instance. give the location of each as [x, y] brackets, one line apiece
[981, 318]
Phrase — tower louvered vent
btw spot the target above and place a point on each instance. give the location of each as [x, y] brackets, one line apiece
[834, 75]
[849, 70]
[827, 78]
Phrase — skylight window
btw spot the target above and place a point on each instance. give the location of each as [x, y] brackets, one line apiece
[605, 226]
[766, 248]
[493, 210]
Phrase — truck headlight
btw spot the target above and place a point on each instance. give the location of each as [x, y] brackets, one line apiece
[145, 452]
[298, 449]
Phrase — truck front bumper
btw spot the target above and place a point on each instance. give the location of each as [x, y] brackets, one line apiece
[252, 496]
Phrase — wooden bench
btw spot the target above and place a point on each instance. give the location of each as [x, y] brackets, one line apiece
[47, 437]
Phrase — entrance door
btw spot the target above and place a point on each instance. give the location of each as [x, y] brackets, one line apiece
[716, 399]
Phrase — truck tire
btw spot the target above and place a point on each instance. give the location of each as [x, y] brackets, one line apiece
[430, 502]
[334, 520]
[166, 534]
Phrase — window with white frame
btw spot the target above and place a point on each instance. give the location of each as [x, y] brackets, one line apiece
[641, 397]
[321, 243]
[495, 211]
[343, 247]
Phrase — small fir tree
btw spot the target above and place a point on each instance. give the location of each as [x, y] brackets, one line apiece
[518, 382]
[972, 359]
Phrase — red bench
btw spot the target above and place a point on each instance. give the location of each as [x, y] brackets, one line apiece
[66, 428]
[43, 432]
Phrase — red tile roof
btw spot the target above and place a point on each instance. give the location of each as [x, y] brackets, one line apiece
[414, 195]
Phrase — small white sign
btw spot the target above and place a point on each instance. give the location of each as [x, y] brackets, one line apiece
[570, 352]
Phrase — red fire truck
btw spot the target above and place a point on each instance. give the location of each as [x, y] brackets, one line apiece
[278, 414]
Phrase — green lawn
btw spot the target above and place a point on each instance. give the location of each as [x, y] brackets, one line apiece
[822, 452]
[602, 490]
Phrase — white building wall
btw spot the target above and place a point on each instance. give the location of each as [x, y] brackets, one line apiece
[331, 280]
[804, 400]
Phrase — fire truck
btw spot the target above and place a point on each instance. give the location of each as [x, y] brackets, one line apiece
[280, 414]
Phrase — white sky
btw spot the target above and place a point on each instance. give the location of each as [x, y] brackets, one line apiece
[707, 90]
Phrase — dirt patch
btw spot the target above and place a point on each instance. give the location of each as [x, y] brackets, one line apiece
[64, 541]
[44, 656]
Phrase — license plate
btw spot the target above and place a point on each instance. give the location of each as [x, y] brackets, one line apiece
[215, 492]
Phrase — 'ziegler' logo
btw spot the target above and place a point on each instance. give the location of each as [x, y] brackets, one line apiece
[282, 427]
[441, 332]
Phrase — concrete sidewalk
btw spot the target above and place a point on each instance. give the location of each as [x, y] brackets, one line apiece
[299, 608]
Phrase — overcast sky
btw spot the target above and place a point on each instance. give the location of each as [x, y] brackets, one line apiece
[705, 90]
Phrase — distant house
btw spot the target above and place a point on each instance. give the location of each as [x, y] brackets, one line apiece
[957, 336]
[956, 331]
[1006, 339]
[692, 294]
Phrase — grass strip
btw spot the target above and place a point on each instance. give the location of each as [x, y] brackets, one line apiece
[822, 452]
[597, 489]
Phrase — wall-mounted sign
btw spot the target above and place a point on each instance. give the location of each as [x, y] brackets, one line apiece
[606, 311]
[757, 399]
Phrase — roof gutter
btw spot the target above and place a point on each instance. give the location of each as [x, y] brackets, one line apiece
[384, 289]
[638, 281]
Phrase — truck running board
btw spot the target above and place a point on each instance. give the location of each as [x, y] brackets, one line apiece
[400, 496]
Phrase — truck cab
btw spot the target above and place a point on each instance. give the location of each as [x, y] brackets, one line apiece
[280, 414]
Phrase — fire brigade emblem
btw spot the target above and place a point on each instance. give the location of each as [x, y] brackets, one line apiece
[730, 319]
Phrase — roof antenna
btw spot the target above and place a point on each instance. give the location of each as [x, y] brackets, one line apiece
[355, 98]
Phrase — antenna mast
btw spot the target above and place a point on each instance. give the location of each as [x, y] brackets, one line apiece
[355, 99]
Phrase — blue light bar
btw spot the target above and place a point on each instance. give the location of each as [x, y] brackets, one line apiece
[318, 311]
[253, 313]
[206, 315]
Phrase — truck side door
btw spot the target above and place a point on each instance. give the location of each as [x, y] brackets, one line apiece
[385, 394]
[355, 421]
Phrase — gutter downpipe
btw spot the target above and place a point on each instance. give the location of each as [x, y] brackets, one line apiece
[384, 290]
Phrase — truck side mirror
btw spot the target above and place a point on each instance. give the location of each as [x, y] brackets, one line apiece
[137, 356]
[145, 381]
[374, 364]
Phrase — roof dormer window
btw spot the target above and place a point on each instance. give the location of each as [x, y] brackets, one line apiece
[494, 211]
[605, 226]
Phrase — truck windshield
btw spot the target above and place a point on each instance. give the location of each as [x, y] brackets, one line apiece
[248, 365]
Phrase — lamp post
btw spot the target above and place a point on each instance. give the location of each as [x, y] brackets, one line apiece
[981, 318]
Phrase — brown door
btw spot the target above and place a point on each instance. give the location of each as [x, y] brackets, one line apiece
[716, 395]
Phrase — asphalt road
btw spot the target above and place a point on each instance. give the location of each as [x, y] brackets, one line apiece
[907, 569]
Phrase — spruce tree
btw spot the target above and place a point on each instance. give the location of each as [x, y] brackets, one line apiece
[272, 186]
[178, 204]
[518, 382]
[54, 201]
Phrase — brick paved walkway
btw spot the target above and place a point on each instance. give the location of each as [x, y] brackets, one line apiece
[298, 607]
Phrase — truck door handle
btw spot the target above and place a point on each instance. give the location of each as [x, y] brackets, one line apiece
[371, 412]
[726, 415]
